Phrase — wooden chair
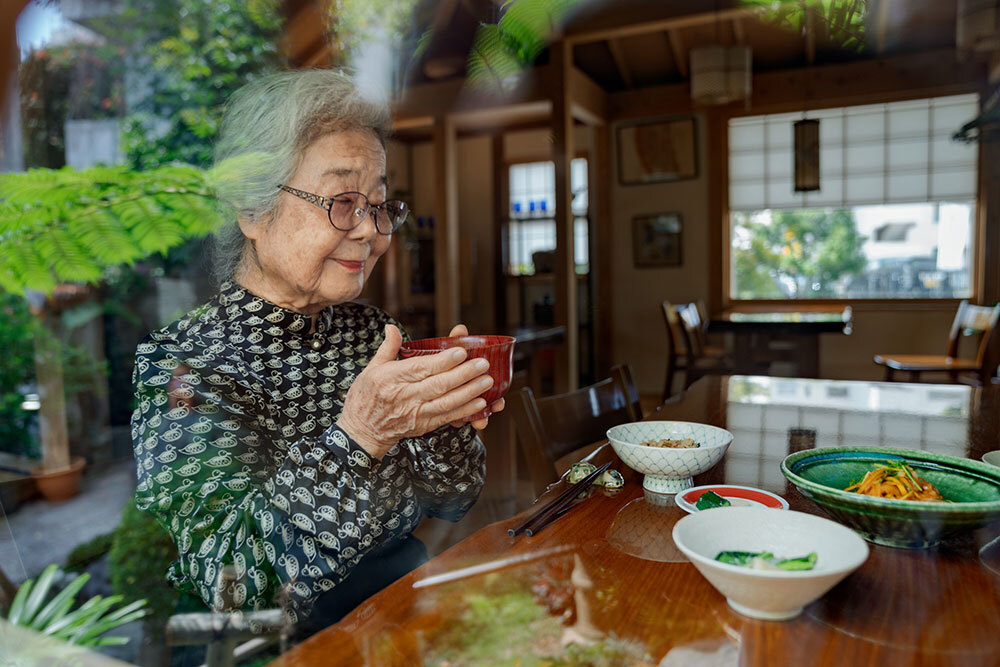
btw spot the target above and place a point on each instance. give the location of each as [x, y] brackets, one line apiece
[697, 322]
[230, 636]
[683, 352]
[550, 428]
[968, 320]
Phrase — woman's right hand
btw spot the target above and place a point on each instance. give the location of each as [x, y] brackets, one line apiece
[394, 399]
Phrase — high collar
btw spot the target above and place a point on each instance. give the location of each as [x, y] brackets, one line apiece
[242, 306]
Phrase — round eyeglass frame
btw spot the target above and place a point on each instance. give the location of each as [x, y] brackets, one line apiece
[326, 203]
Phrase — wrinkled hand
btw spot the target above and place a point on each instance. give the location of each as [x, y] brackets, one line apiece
[458, 331]
[394, 399]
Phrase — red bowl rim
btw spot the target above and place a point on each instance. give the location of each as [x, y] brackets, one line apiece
[434, 344]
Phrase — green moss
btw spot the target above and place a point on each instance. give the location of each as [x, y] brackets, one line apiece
[141, 551]
[84, 554]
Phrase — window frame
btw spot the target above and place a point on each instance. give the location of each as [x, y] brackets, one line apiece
[506, 218]
[720, 261]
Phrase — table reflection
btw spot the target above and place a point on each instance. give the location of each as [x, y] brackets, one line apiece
[606, 585]
[773, 417]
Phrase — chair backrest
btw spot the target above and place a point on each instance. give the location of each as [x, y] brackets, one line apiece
[985, 320]
[690, 330]
[549, 428]
[971, 320]
[698, 325]
[675, 341]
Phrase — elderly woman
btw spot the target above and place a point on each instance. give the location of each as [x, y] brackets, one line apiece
[277, 436]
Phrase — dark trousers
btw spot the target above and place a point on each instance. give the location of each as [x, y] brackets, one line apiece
[375, 571]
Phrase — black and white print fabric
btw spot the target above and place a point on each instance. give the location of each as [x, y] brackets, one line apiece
[240, 458]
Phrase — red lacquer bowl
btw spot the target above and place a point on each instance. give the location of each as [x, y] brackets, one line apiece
[498, 350]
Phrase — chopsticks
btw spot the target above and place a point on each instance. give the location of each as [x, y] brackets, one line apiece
[557, 507]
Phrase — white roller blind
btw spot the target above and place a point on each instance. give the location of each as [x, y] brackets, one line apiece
[873, 154]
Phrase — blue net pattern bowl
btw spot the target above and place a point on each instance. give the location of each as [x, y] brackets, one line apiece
[669, 470]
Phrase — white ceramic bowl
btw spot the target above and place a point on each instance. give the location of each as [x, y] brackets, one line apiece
[993, 458]
[669, 470]
[767, 594]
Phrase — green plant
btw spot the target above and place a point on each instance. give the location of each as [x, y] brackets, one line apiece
[806, 250]
[68, 226]
[66, 82]
[58, 617]
[195, 54]
[141, 551]
[842, 22]
[17, 327]
[84, 554]
[502, 51]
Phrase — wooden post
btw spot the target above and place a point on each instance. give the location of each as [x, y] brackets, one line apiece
[501, 206]
[446, 267]
[566, 308]
[718, 211]
[600, 215]
[52, 414]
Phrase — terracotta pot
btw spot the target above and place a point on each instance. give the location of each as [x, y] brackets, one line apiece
[59, 485]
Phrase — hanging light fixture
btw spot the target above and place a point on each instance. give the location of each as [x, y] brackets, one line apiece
[720, 74]
[806, 155]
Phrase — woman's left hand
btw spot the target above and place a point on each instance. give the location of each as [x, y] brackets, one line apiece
[458, 331]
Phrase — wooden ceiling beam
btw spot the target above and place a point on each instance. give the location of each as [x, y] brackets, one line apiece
[646, 27]
[677, 48]
[616, 54]
[588, 101]
[910, 76]
[452, 96]
[305, 39]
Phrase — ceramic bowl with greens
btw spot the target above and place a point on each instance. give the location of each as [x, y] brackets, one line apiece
[970, 489]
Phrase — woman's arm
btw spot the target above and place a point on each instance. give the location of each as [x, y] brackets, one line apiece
[448, 469]
[212, 472]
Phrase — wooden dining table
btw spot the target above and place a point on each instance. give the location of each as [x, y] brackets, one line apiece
[760, 338]
[605, 583]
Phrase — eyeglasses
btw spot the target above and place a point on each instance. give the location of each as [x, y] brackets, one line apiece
[349, 209]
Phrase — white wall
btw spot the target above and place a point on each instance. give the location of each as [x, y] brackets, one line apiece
[476, 220]
[638, 334]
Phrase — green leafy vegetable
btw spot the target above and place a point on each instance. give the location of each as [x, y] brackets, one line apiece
[711, 499]
[765, 560]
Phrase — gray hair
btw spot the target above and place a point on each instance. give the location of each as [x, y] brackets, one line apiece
[266, 126]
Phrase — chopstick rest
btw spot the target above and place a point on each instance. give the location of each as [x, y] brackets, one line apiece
[560, 502]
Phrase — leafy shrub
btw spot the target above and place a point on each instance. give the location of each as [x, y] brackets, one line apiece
[16, 372]
[84, 554]
[141, 552]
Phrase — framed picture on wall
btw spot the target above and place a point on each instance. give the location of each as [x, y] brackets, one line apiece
[656, 240]
[657, 151]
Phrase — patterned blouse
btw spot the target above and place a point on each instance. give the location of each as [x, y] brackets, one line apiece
[240, 458]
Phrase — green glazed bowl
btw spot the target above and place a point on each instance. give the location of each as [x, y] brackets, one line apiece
[972, 487]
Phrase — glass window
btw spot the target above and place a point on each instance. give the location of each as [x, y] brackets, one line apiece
[893, 217]
[531, 228]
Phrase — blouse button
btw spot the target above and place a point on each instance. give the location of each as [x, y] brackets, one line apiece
[316, 344]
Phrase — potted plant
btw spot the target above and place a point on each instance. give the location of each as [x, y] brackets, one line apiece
[62, 618]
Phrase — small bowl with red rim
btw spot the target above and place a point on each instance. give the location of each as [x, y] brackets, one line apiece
[738, 496]
[498, 350]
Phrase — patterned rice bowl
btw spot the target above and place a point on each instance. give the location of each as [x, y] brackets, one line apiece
[972, 489]
[669, 470]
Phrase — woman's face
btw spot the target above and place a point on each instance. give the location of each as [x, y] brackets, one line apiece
[304, 262]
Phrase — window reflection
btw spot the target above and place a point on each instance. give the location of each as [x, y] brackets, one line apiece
[770, 417]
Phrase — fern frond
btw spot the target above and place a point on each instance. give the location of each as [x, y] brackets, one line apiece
[66, 225]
